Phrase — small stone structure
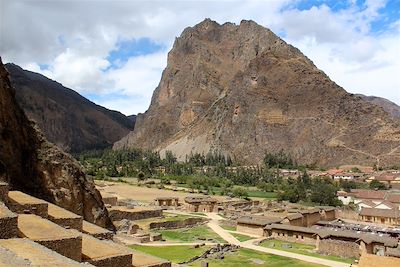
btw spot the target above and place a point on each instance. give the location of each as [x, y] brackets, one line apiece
[96, 231]
[141, 237]
[188, 222]
[346, 249]
[167, 201]
[109, 199]
[66, 242]
[8, 223]
[291, 233]
[24, 251]
[155, 237]
[22, 203]
[254, 224]
[136, 213]
[200, 204]
[64, 217]
[104, 253]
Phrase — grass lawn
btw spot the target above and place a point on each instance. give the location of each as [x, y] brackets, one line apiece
[250, 258]
[242, 238]
[167, 218]
[301, 249]
[191, 234]
[242, 258]
[262, 194]
[175, 254]
[227, 227]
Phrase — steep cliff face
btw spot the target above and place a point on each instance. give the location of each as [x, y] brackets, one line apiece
[242, 90]
[33, 165]
[66, 118]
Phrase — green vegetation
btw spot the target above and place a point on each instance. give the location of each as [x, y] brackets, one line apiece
[242, 257]
[175, 254]
[241, 237]
[301, 249]
[375, 184]
[215, 174]
[321, 190]
[227, 227]
[191, 234]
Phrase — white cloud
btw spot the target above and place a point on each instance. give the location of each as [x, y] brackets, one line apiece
[75, 37]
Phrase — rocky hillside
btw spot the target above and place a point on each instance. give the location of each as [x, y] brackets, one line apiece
[66, 118]
[31, 164]
[242, 90]
[387, 105]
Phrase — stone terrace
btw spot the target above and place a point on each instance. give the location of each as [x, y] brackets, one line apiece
[96, 231]
[144, 260]
[50, 235]
[104, 253]
[8, 223]
[24, 252]
[64, 217]
[22, 203]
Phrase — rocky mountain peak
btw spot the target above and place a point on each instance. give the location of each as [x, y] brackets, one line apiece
[242, 90]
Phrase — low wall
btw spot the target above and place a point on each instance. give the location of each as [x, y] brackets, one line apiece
[178, 224]
[339, 248]
[117, 215]
[68, 247]
[303, 238]
[39, 209]
[250, 229]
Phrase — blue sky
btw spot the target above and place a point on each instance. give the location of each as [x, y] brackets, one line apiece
[113, 52]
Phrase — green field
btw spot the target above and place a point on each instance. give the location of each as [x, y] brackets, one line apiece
[301, 249]
[242, 257]
[262, 194]
[191, 235]
[241, 237]
[228, 227]
[175, 254]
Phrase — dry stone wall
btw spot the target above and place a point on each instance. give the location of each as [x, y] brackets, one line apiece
[189, 222]
[339, 248]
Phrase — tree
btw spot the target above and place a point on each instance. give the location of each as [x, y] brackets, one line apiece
[239, 192]
[375, 184]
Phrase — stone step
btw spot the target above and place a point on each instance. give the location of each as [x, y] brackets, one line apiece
[64, 218]
[109, 199]
[23, 203]
[66, 242]
[8, 223]
[4, 192]
[141, 259]
[104, 253]
[24, 252]
[96, 231]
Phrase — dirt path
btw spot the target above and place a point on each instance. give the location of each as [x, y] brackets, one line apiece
[214, 225]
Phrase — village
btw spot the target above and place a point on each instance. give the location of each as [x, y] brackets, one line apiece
[154, 224]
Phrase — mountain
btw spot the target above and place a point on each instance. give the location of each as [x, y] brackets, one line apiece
[66, 118]
[241, 90]
[390, 107]
[28, 162]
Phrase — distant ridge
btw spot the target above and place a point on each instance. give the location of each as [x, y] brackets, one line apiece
[66, 118]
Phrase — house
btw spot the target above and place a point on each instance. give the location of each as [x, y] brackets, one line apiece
[383, 216]
[200, 204]
[344, 176]
[345, 197]
[295, 219]
[291, 233]
[348, 244]
[167, 201]
[254, 224]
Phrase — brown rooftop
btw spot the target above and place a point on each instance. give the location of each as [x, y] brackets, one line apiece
[369, 194]
[395, 198]
[291, 228]
[35, 254]
[387, 213]
[258, 220]
[294, 216]
[196, 199]
[167, 198]
[371, 260]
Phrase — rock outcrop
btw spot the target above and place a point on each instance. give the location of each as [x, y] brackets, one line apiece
[31, 164]
[387, 105]
[66, 118]
[242, 90]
